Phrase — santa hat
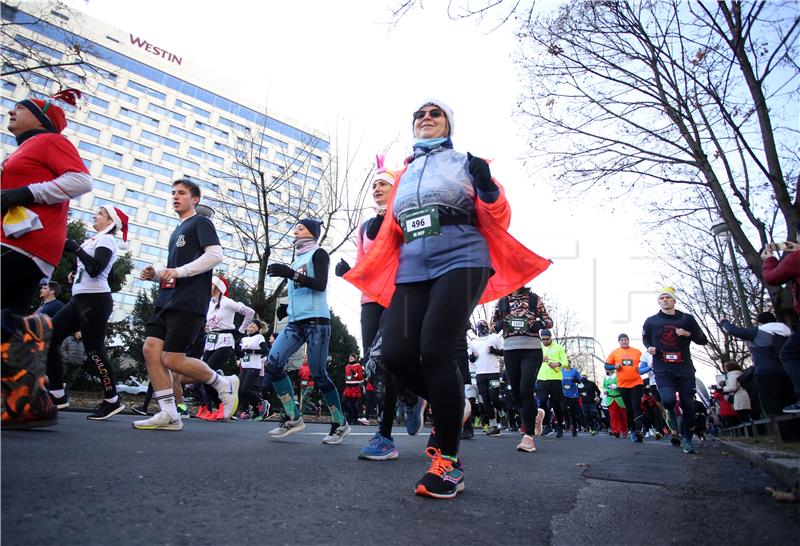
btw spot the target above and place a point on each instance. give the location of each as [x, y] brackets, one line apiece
[383, 173]
[448, 112]
[667, 291]
[49, 115]
[120, 220]
[221, 283]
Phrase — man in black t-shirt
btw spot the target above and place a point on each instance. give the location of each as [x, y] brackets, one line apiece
[668, 335]
[180, 311]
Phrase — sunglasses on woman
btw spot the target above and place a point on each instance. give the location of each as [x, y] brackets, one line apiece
[435, 113]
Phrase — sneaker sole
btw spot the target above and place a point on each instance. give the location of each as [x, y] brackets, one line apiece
[62, 406]
[526, 450]
[103, 418]
[160, 427]
[422, 491]
[388, 457]
[288, 432]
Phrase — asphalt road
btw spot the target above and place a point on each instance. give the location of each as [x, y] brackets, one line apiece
[85, 483]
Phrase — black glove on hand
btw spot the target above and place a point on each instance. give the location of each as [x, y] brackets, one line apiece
[16, 197]
[280, 270]
[282, 311]
[71, 246]
[480, 172]
[342, 268]
[374, 227]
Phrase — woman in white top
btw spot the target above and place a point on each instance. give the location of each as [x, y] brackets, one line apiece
[251, 352]
[89, 310]
[741, 399]
[220, 343]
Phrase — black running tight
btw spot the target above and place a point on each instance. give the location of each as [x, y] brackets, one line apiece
[423, 322]
[372, 319]
[523, 367]
[88, 313]
[248, 395]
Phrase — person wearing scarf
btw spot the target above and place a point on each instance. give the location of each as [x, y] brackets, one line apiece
[309, 323]
[445, 249]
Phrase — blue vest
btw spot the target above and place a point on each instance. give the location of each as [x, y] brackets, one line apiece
[305, 303]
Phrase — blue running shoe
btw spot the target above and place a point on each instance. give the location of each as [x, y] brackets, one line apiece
[415, 417]
[379, 448]
[688, 446]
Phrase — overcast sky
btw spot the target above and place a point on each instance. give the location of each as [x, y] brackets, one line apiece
[342, 68]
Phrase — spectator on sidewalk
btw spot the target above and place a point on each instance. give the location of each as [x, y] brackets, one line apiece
[727, 415]
[741, 400]
[73, 355]
[765, 342]
[49, 291]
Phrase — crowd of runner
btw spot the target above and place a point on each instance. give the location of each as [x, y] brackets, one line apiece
[435, 247]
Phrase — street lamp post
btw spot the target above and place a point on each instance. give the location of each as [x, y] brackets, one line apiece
[720, 229]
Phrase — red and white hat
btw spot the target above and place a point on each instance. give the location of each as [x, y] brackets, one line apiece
[221, 283]
[120, 220]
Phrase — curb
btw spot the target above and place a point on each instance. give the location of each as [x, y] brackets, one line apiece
[782, 466]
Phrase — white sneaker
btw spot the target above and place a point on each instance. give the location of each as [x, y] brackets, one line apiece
[337, 434]
[364, 421]
[159, 421]
[287, 427]
[229, 396]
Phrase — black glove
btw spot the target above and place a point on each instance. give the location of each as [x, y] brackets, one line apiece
[374, 227]
[282, 311]
[342, 268]
[280, 270]
[16, 197]
[71, 246]
[537, 325]
[481, 175]
[472, 358]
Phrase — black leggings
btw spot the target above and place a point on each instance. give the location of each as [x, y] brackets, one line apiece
[423, 323]
[88, 313]
[632, 396]
[248, 395]
[573, 411]
[523, 367]
[489, 395]
[551, 391]
[372, 317]
[351, 409]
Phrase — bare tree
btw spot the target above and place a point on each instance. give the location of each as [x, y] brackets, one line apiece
[261, 200]
[63, 62]
[655, 98]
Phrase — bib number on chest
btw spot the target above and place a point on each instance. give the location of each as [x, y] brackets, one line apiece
[212, 337]
[420, 222]
[246, 357]
[627, 362]
[672, 358]
[517, 325]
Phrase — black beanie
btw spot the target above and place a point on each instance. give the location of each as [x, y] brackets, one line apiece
[314, 226]
[765, 318]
